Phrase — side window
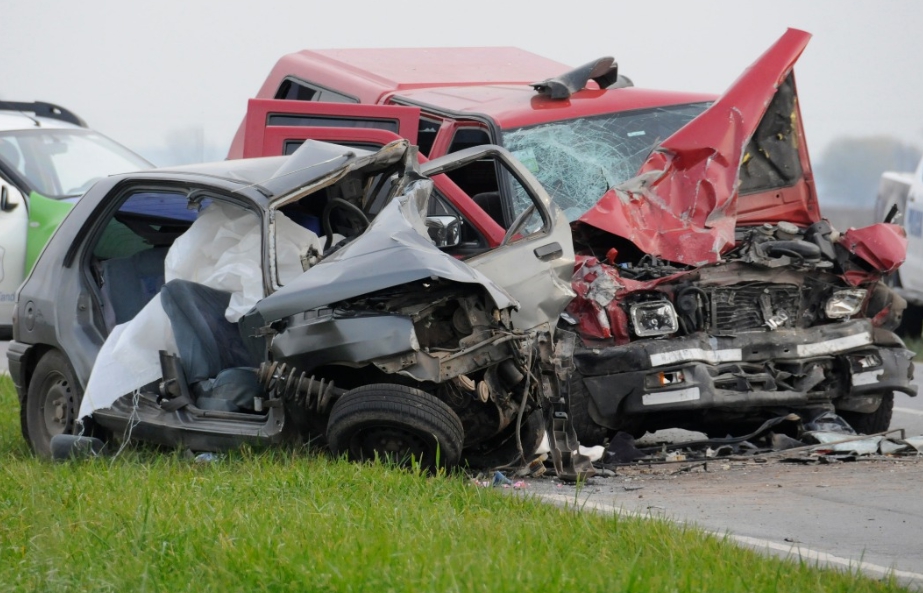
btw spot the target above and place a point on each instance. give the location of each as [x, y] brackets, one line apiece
[504, 199]
[127, 261]
[332, 121]
[293, 89]
[426, 135]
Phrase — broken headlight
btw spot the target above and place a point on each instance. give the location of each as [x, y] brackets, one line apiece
[845, 303]
[653, 318]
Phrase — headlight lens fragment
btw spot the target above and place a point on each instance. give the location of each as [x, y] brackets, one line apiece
[845, 303]
[653, 318]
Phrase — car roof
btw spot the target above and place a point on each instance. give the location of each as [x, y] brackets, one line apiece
[16, 120]
[271, 176]
[488, 81]
[513, 106]
[369, 74]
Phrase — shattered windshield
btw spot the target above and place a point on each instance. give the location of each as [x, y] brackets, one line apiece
[578, 160]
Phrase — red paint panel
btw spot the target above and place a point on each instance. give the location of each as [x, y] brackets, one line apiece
[259, 110]
[683, 204]
[882, 245]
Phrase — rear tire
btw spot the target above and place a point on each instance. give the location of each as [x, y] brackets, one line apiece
[397, 423]
[872, 422]
[52, 402]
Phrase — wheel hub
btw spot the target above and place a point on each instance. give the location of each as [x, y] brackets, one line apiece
[391, 443]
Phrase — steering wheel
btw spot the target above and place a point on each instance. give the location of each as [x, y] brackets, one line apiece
[357, 219]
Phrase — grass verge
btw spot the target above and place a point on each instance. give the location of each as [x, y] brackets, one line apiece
[298, 521]
[915, 344]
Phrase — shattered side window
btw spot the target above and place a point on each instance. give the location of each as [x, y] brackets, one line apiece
[771, 160]
[578, 160]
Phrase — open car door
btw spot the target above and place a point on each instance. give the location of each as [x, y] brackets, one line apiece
[275, 127]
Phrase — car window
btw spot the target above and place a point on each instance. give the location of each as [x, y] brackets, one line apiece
[62, 163]
[293, 89]
[145, 220]
[578, 160]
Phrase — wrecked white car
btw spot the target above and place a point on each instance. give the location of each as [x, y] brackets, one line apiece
[323, 295]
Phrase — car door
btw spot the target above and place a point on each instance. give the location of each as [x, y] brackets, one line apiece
[274, 127]
[14, 224]
[270, 130]
[534, 261]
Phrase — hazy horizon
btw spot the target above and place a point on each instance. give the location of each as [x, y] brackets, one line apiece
[171, 79]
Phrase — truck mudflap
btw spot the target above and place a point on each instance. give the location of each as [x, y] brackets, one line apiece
[847, 363]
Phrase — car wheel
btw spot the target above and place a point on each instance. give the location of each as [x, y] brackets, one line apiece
[872, 422]
[588, 432]
[397, 423]
[52, 402]
[503, 450]
[911, 325]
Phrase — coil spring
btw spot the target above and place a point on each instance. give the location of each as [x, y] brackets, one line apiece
[280, 380]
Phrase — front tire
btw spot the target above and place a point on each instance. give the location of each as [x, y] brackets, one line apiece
[52, 402]
[397, 423]
[872, 422]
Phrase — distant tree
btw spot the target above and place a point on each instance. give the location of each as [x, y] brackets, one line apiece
[848, 170]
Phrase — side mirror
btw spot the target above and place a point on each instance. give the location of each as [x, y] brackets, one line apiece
[445, 231]
[894, 215]
[5, 205]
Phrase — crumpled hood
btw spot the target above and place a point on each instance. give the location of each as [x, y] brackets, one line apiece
[682, 205]
[394, 250]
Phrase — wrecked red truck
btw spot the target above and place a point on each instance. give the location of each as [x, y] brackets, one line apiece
[711, 293]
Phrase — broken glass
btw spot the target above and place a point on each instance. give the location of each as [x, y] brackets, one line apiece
[578, 160]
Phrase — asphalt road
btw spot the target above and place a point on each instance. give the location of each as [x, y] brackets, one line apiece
[866, 514]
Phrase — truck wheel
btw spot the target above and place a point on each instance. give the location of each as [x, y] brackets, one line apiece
[872, 422]
[911, 325]
[588, 432]
[395, 422]
[52, 402]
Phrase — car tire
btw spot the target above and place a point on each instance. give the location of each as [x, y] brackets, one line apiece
[398, 423]
[503, 450]
[588, 432]
[52, 402]
[911, 325]
[872, 422]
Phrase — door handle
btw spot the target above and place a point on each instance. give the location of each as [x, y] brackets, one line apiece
[549, 252]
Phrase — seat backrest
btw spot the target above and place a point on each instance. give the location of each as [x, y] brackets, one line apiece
[129, 283]
[490, 203]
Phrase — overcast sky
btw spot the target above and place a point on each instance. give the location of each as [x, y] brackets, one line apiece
[160, 76]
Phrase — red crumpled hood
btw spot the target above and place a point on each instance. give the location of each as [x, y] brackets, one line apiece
[682, 206]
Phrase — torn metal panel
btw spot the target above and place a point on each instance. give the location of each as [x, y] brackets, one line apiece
[883, 246]
[682, 205]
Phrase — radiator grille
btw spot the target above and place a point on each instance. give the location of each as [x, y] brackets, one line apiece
[737, 307]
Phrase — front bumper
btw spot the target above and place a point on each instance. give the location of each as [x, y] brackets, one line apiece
[851, 362]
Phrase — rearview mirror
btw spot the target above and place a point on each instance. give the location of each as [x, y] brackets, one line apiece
[445, 231]
[5, 204]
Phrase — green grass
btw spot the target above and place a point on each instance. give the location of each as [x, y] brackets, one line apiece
[915, 344]
[299, 521]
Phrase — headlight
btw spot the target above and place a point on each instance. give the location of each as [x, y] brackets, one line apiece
[653, 318]
[845, 303]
